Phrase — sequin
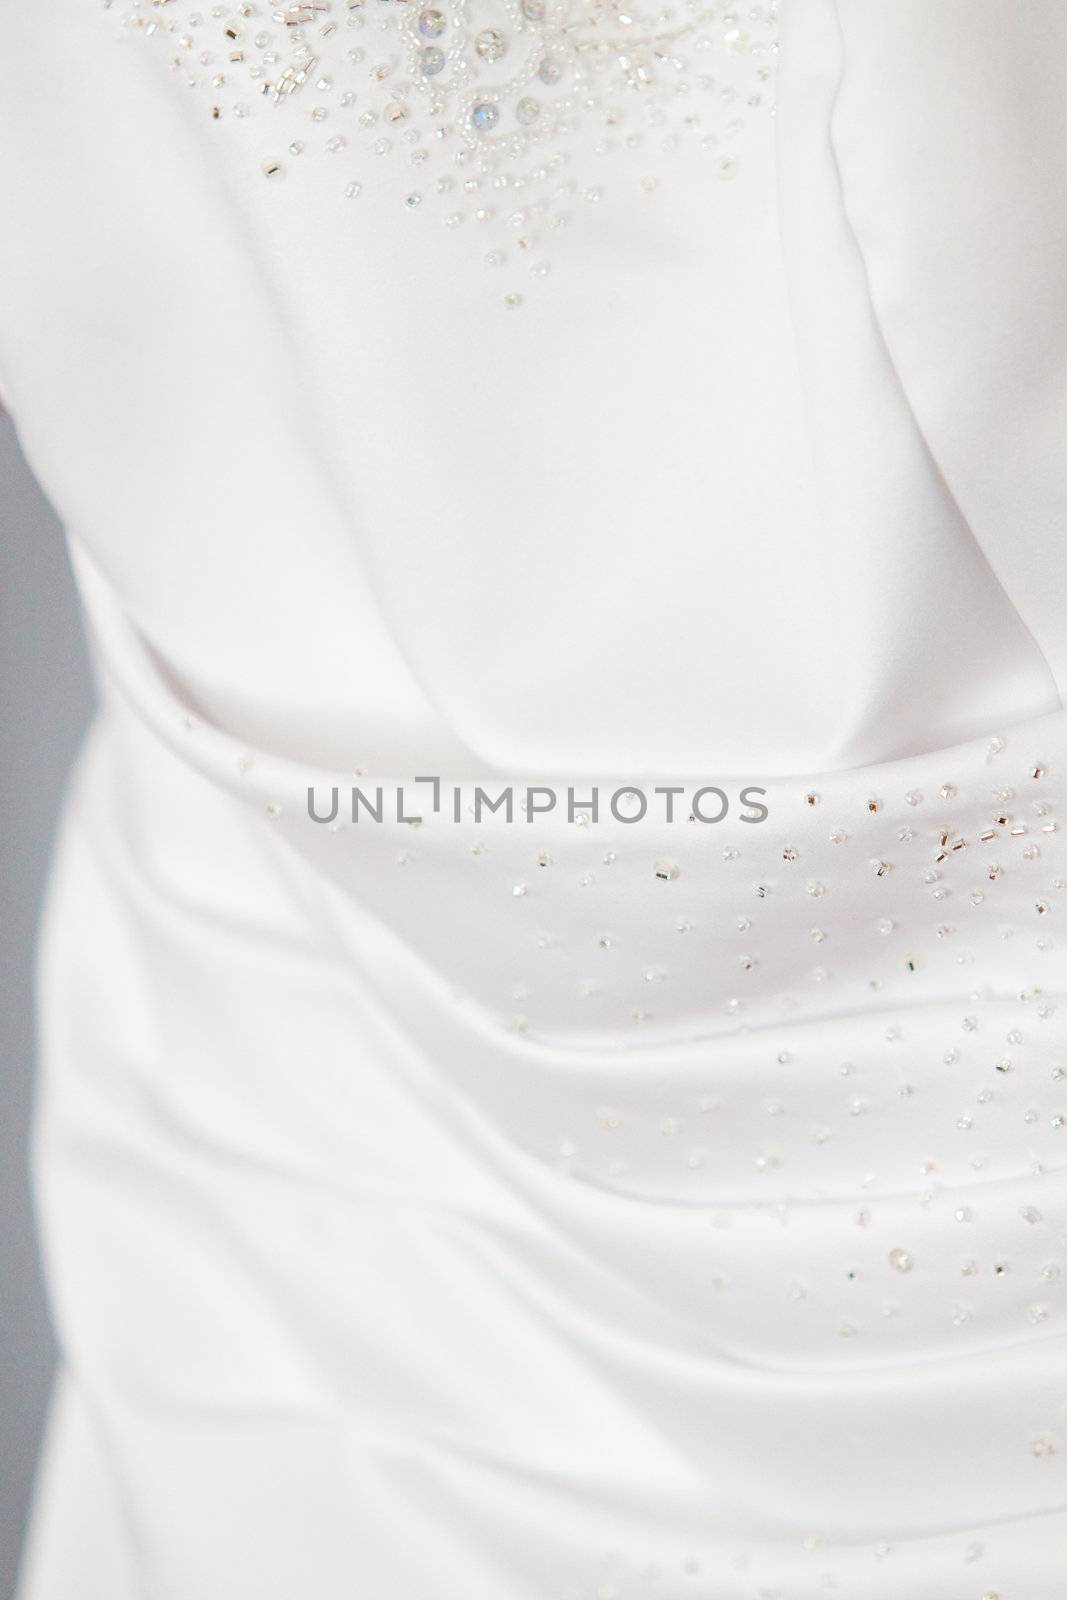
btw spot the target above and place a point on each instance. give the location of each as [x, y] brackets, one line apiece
[432, 23]
[484, 115]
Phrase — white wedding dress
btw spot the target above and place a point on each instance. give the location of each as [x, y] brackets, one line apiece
[542, 392]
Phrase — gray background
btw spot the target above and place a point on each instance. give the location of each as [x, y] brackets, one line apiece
[45, 700]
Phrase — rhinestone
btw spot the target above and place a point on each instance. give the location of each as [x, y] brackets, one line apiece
[432, 23]
[901, 1260]
[534, 10]
[490, 44]
[528, 110]
[549, 71]
[431, 60]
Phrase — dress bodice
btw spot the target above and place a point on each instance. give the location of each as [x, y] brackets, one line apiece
[707, 497]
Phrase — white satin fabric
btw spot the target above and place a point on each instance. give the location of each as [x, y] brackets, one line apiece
[482, 1209]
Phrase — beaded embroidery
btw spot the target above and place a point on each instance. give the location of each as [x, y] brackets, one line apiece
[490, 108]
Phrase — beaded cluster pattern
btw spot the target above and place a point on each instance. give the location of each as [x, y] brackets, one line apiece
[508, 116]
